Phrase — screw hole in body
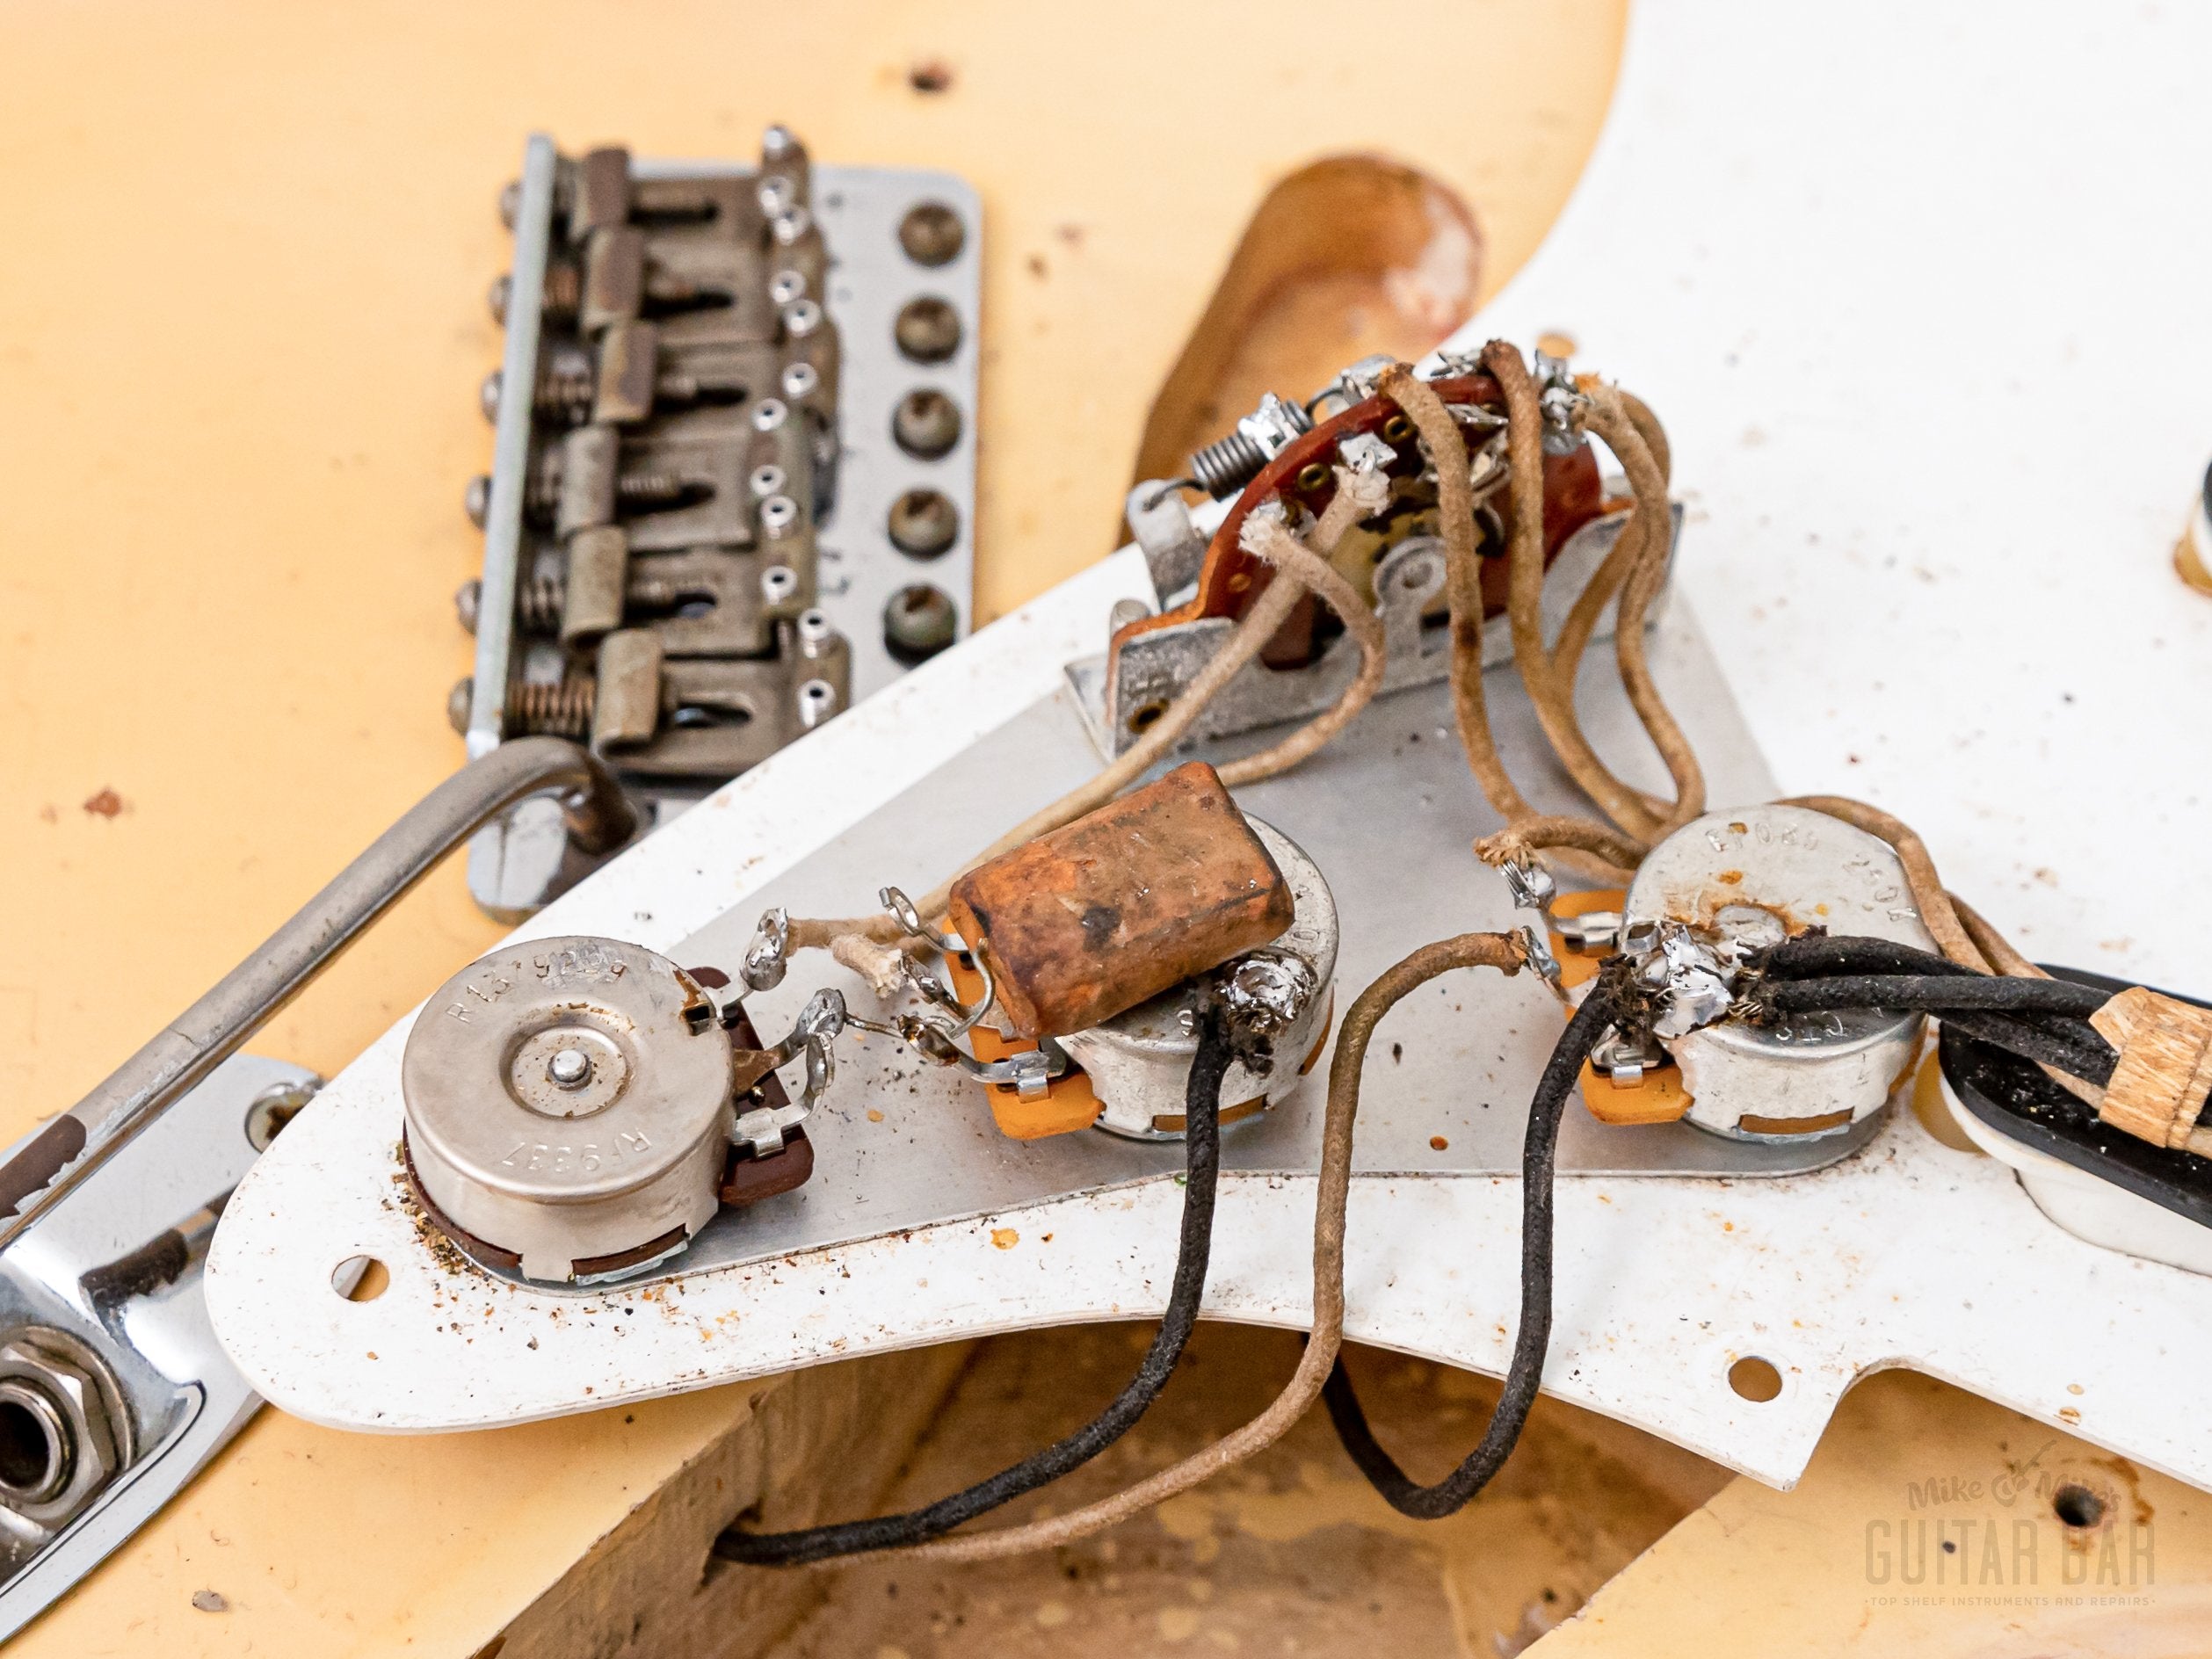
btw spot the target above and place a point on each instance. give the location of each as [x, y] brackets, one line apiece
[2076, 1505]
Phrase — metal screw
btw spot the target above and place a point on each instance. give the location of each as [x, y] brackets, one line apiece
[569, 1068]
[800, 318]
[777, 142]
[679, 388]
[923, 523]
[273, 1108]
[560, 708]
[775, 193]
[468, 599]
[790, 225]
[777, 515]
[564, 292]
[928, 329]
[786, 285]
[926, 423]
[766, 481]
[800, 379]
[458, 702]
[566, 384]
[817, 701]
[634, 492]
[777, 584]
[816, 634]
[768, 413]
[931, 234]
[919, 623]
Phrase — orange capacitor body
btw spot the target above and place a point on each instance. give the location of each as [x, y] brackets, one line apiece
[1094, 917]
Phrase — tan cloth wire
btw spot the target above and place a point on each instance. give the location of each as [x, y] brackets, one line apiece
[1266, 537]
[1654, 520]
[1636, 566]
[1301, 567]
[1468, 950]
[1582, 620]
[1635, 569]
[1439, 434]
[1554, 707]
[1993, 945]
[1615, 856]
[1648, 534]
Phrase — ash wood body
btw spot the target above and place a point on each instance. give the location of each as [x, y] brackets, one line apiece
[1095, 917]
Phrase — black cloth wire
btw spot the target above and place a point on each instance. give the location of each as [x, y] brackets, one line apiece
[1539, 1156]
[1825, 956]
[1202, 1101]
[2079, 1048]
[2042, 1043]
[1935, 994]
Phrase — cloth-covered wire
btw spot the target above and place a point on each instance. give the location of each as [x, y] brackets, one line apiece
[1935, 993]
[1439, 436]
[1332, 1191]
[1653, 524]
[1963, 935]
[1822, 955]
[1632, 570]
[1524, 1373]
[1202, 1099]
[1826, 956]
[1608, 855]
[1642, 569]
[2091, 1062]
[1590, 603]
[2042, 1019]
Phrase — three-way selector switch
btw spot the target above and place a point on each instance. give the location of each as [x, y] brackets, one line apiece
[569, 1108]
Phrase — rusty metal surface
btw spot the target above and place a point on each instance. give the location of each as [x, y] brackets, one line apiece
[1094, 917]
